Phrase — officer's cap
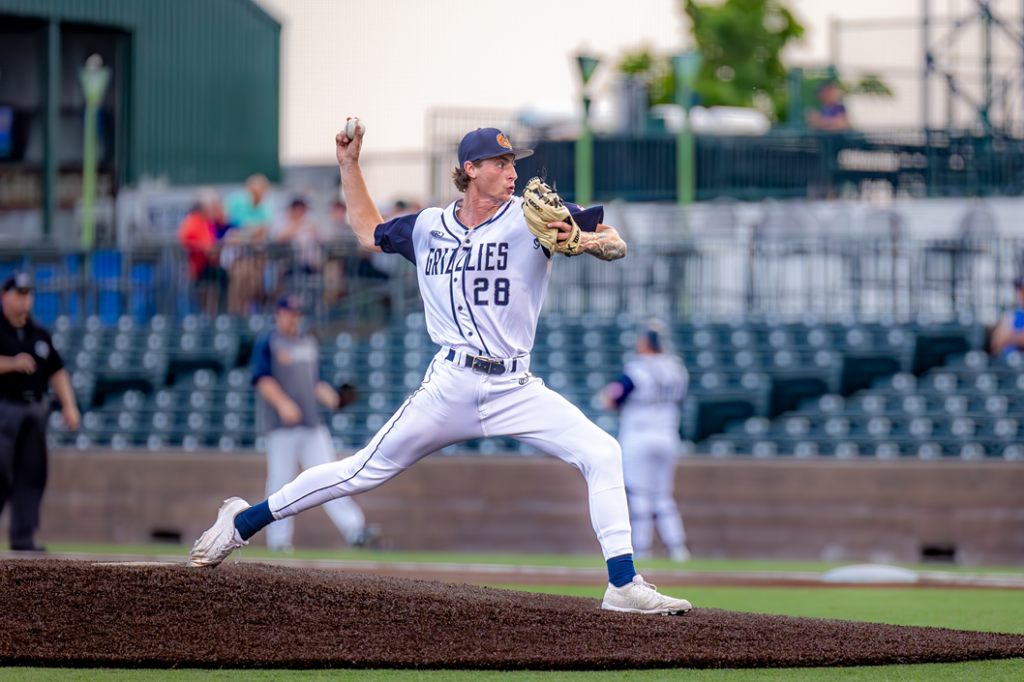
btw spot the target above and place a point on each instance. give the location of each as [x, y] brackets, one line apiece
[20, 280]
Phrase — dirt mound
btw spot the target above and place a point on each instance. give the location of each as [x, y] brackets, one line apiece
[66, 613]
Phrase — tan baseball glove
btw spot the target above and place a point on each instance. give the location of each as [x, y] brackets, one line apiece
[541, 205]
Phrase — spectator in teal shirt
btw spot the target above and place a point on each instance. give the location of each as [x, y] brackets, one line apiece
[252, 216]
[248, 211]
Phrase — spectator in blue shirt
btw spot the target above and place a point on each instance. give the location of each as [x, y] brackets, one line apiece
[1008, 335]
[831, 116]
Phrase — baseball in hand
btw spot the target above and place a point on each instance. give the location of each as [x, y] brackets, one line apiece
[350, 127]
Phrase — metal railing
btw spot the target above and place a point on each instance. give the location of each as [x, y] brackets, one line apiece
[791, 163]
[756, 273]
[340, 285]
[790, 276]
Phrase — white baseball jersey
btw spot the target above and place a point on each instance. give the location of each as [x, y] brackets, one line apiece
[653, 388]
[649, 392]
[482, 287]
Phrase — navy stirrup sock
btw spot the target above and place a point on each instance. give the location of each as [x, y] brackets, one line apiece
[254, 519]
[620, 570]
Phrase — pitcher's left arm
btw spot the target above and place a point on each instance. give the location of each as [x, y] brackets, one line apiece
[604, 243]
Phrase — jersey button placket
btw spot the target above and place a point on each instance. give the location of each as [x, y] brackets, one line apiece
[466, 243]
[464, 320]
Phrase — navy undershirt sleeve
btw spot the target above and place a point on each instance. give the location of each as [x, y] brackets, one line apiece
[627, 388]
[261, 358]
[588, 219]
[395, 236]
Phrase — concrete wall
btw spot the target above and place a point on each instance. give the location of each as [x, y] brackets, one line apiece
[835, 510]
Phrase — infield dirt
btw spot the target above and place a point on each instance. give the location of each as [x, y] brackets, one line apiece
[68, 613]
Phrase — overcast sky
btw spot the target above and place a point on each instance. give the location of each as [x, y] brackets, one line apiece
[389, 62]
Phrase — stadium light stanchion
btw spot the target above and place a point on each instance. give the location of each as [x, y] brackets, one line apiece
[685, 67]
[585, 143]
[94, 78]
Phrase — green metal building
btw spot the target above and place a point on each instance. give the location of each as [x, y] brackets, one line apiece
[193, 95]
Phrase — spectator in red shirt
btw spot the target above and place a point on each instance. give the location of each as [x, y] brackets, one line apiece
[198, 236]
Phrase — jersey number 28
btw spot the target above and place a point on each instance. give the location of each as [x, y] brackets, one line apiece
[480, 286]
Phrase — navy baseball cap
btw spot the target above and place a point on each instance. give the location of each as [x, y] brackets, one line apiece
[20, 280]
[289, 301]
[483, 143]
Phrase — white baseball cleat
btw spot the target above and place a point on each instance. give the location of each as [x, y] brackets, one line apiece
[640, 596]
[217, 544]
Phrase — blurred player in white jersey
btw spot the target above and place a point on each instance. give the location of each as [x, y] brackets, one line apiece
[649, 393]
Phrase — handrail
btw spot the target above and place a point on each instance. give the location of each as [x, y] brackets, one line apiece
[765, 271]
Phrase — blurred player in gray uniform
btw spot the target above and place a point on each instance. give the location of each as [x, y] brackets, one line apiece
[649, 393]
[285, 372]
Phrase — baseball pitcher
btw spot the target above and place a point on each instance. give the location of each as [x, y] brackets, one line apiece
[483, 265]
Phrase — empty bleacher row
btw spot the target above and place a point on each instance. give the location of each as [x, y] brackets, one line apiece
[760, 387]
[971, 408]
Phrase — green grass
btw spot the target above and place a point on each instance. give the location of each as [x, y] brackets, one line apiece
[960, 609]
[514, 559]
[987, 671]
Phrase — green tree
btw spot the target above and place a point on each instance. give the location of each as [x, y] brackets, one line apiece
[654, 70]
[741, 42]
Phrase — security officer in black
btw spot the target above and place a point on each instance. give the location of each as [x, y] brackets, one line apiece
[28, 362]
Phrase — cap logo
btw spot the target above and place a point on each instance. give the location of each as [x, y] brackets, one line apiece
[503, 141]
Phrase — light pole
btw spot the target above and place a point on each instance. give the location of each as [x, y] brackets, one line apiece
[94, 78]
[685, 67]
[585, 143]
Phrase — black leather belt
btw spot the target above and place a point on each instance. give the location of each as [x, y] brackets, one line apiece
[482, 364]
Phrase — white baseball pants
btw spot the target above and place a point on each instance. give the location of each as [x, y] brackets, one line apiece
[289, 448]
[455, 404]
[649, 467]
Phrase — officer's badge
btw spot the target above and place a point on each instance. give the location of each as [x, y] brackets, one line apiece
[42, 350]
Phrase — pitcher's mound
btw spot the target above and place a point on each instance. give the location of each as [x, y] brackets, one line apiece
[66, 613]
